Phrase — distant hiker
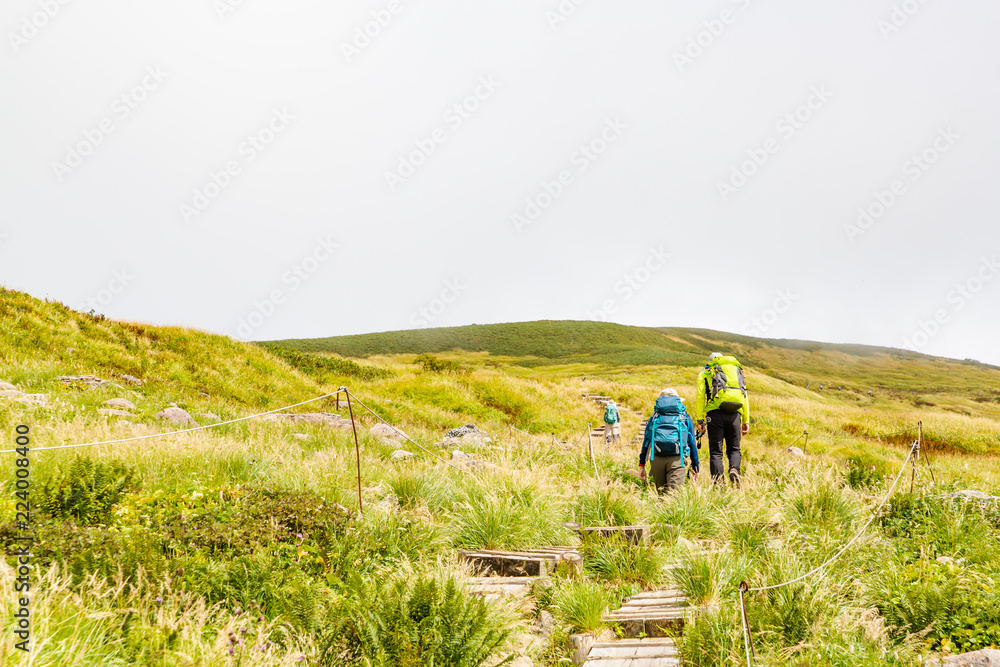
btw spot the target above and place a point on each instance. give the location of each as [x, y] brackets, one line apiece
[723, 403]
[612, 423]
[668, 442]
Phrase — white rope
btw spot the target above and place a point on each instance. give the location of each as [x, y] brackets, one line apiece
[853, 539]
[186, 430]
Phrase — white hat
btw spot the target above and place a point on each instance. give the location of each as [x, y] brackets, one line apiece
[714, 355]
[669, 392]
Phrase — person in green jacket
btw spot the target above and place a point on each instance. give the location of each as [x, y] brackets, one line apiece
[723, 409]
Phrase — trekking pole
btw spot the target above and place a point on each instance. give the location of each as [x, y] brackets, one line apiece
[590, 447]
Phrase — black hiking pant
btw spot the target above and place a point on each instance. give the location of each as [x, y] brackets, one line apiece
[724, 426]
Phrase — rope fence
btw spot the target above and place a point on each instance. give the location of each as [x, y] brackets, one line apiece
[746, 588]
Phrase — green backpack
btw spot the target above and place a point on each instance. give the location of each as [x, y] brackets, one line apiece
[728, 382]
[611, 415]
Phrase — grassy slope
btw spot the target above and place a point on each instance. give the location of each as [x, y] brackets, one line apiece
[493, 390]
[857, 367]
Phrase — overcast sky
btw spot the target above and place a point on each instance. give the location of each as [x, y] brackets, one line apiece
[264, 170]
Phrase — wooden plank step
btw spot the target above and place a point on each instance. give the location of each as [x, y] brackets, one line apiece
[655, 602]
[626, 651]
[637, 641]
[632, 534]
[657, 595]
[634, 662]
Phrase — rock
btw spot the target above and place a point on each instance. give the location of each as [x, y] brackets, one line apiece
[209, 417]
[544, 625]
[459, 455]
[300, 436]
[401, 454]
[91, 381]
[120, 404]
[468, 431]
[315, 418]
[129, 379]
[7, 386]
[988, 657]
[384, 431]
[795, 452]
[177, 416]
[110, 412]
[945, 559]
[11, 393]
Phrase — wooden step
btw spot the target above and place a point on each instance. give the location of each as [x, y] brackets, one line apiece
[532, 563]
[631, 534]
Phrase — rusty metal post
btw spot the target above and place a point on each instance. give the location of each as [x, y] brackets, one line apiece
[357, 445]
[806, 443]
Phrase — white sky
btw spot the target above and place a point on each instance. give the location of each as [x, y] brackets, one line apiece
[879, 98]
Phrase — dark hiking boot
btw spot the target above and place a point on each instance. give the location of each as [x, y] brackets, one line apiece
[734, 478]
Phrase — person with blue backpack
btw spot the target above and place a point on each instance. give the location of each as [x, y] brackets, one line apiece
[668, 442]
[612, 423]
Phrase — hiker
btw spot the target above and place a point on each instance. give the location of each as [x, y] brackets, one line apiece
[668, 441]
[723, 404]
[612, 423]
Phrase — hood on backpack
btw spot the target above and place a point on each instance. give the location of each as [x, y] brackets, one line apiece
[668, 405]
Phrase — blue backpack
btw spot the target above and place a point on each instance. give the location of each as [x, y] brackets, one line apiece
[669, 434]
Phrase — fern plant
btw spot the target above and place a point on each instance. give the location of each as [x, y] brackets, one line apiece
[86, 490]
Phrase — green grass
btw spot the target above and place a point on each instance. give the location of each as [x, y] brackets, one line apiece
[238, 532]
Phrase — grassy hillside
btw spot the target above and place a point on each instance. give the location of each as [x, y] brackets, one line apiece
[855, 367]
[243, 545]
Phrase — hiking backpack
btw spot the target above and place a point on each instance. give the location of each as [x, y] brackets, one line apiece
[727, 379]
[675, 426]
[611, 415]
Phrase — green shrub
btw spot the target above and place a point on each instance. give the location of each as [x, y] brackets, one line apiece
[86, 490]
[712, 639]
[581, 605]
[864, 473]
[694, 509]
[617, 560]
[411, 621]
[508, 517]
[821, 506]
[606, 507]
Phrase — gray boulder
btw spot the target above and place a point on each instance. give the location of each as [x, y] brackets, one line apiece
[91, 381]
[401, 455]
[10, 393]
[795, 452]
[7, 386]
[132, 380]
[120, 404]
[34, 399]
[177, 416]
[987, 657]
